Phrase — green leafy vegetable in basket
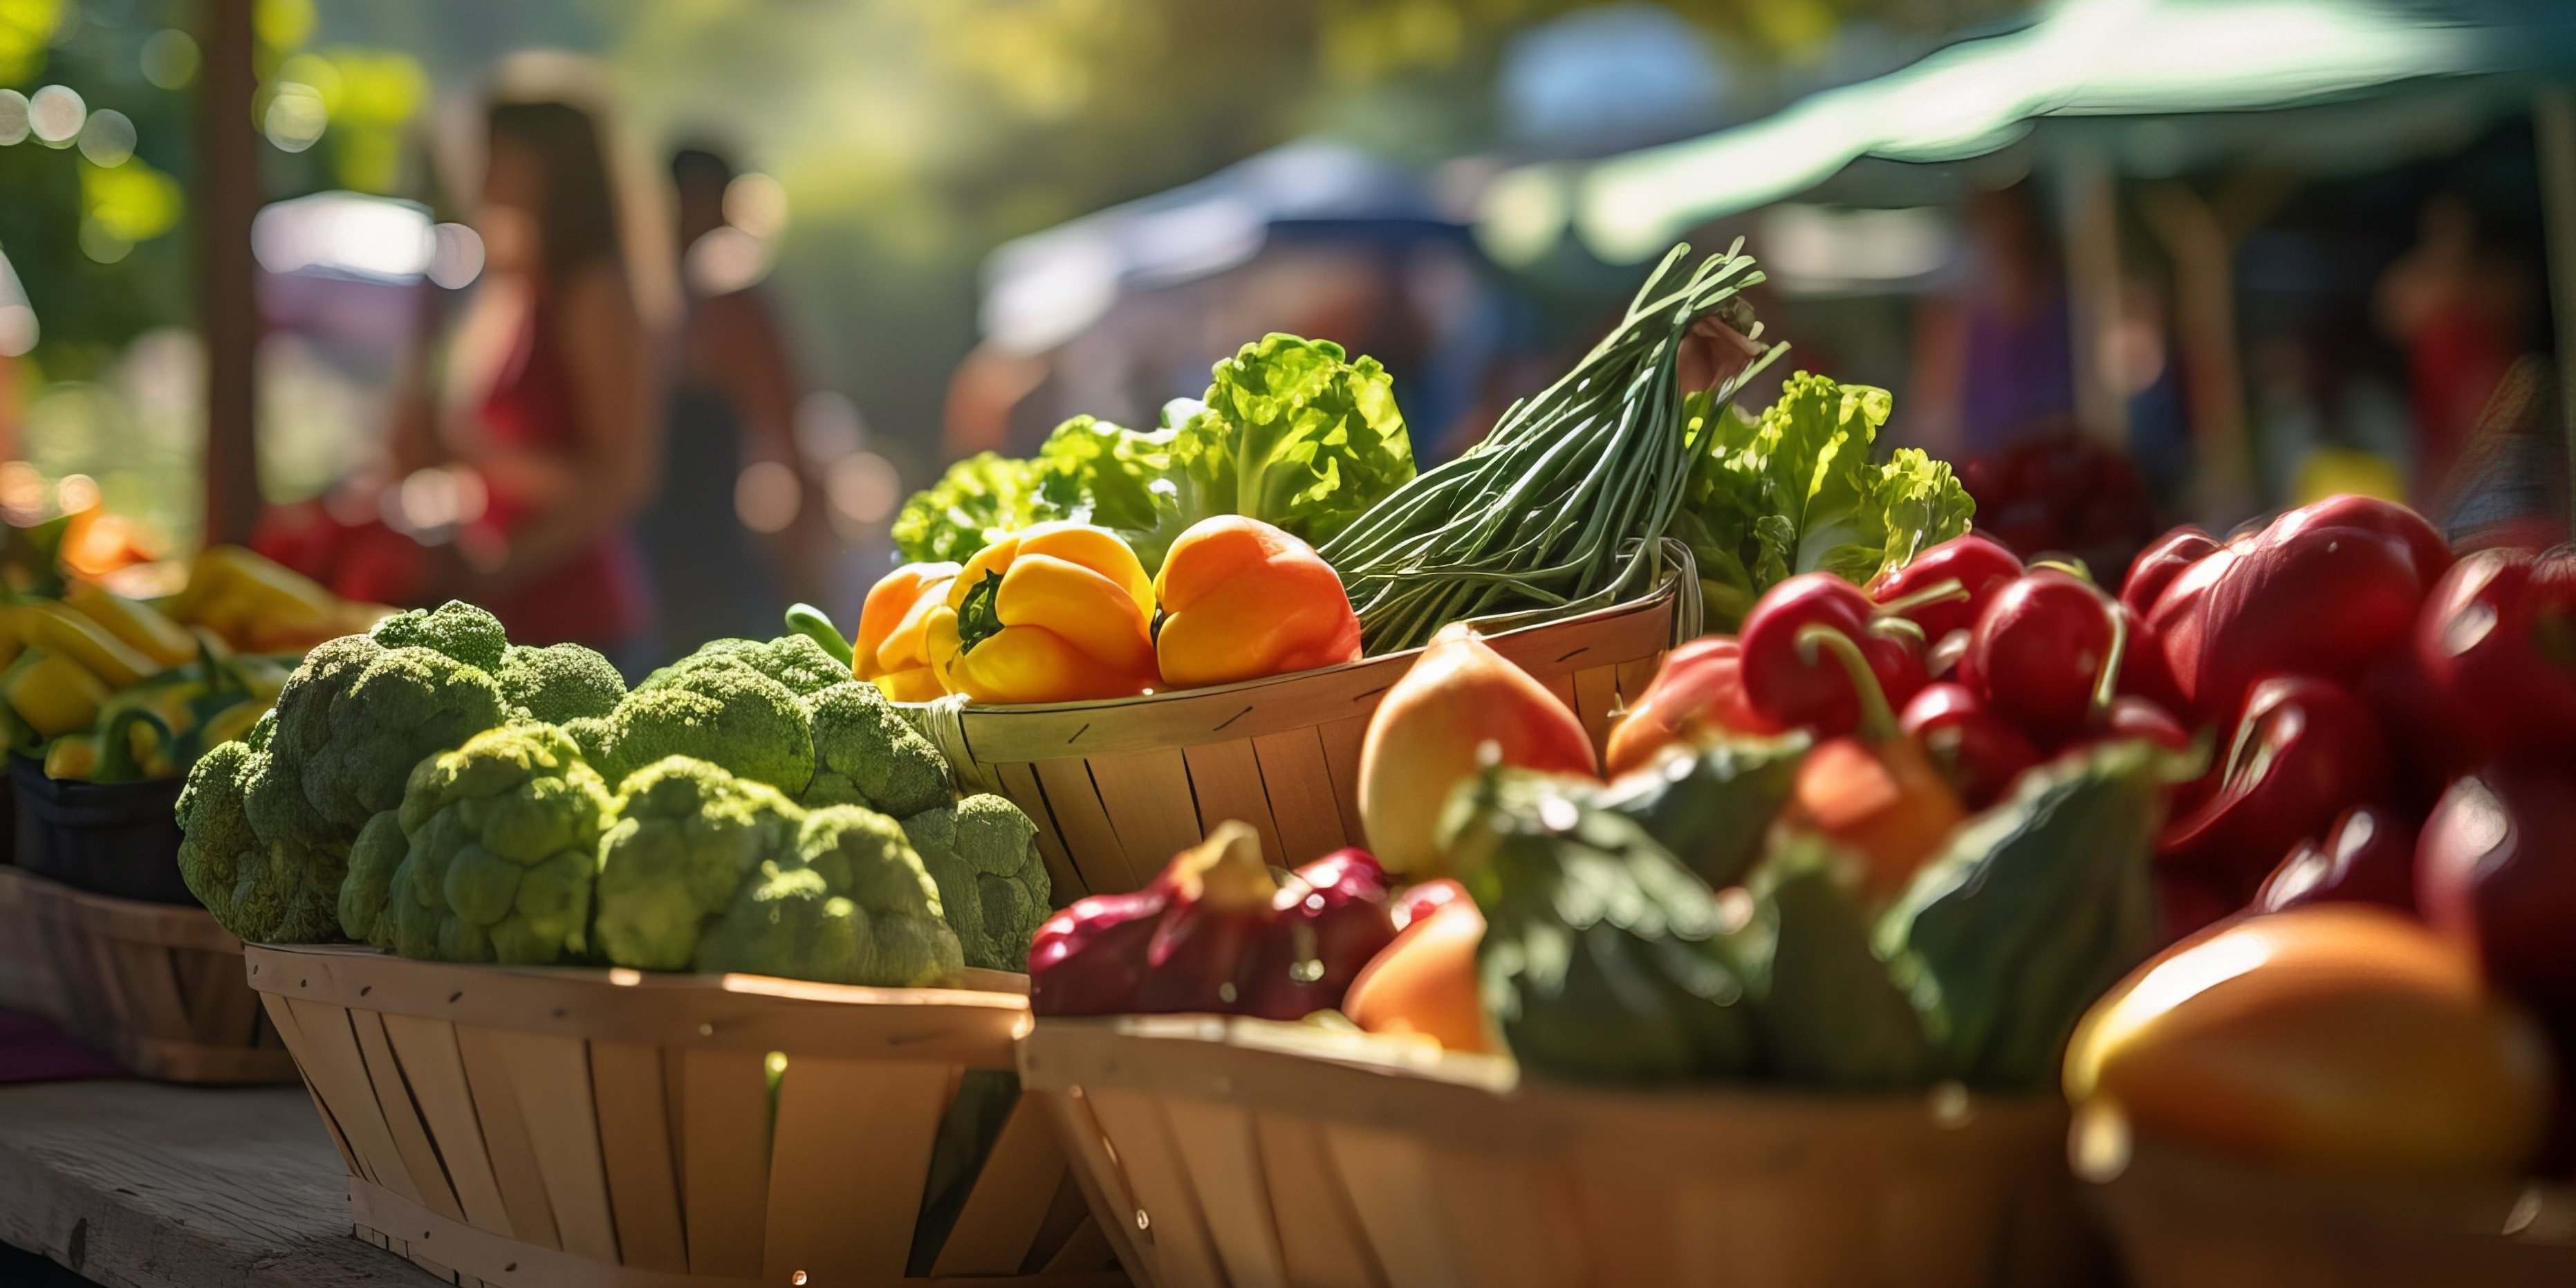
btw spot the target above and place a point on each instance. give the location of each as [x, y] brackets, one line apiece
[1830, 1015]
[2032, 910]
[1796, 490]
[1713, 807]
[1290, 431]
[1603, 957]
[1561, 509]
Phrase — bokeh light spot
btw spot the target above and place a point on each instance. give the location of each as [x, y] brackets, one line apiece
[766, 496]
[756, 204]
[55, 114]
[295, 118]
[13, 117]
[726, 260]
[864, 487]
[108, 138]
[455, 256]
[170, 59]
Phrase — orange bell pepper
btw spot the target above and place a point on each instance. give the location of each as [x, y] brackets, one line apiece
[893, 648]
[1243, 599]
[1056, 613]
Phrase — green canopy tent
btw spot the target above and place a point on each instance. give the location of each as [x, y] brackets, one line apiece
[2095, 90]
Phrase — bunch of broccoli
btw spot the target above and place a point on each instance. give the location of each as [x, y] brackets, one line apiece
[430, 789]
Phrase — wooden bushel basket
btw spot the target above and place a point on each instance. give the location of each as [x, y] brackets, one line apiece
[2187, 1220]
[578, 1128]
[155, 987]
[1118, 787]
[1234, 1153]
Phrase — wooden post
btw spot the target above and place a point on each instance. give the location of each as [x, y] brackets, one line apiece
[2554, 124]
[2093, 295]
[2202, 248]
[227, 196]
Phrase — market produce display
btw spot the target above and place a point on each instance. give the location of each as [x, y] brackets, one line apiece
[432, 789]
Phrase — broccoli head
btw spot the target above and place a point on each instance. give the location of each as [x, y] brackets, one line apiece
[259, 891]
[742, 721]
[993, 884]
[795, 661]
[503, 844]
[852, 905]
[689, 837]
[456, 628]
[559, 682]
[373, 861]
[866, 753]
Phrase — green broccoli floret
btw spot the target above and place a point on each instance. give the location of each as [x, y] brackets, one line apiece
[559, 682]
[243, 881]
[404, 704]
[742, 721]
[866, 753]
[456, 628]
[851, 906]
[993, 883]
[373, 861]
[504, 844]
[689, 837]
[795, 661]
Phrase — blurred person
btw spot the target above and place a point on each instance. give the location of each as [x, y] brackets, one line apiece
[739, 525]
[2459, 309]
[1994, 356]
[548, 406]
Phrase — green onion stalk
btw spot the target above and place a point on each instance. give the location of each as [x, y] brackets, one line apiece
[1561, 509]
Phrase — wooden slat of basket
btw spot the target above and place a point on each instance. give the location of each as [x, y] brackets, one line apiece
[329, 1056]
[148, 985]
[1147, 794]
[830, 1113]
[1175, 1241]
[969, 1026]
[1390, 1179]
[1309, 1203]
[1216, 1145]
[221, 1006]
[1298, 785]
[402, 1117]
[999, 1224]
[724, 1160]
[643, 1192]
[282, 1019]
[1596, 700]
[1226, 779]
[436, 1074]
[515, 1170]
[1020, 783]
[1342, 741]
[551, 1076]
[1073, 800]
[1096, 1175]
[1509, 1213]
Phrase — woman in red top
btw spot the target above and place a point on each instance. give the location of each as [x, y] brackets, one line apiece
[553, 364]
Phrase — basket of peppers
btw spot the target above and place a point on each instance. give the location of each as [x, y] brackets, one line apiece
[1774, 994]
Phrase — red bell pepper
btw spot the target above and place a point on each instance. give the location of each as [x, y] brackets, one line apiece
[2045, 652]
[2492, 872]
[2497, 641]
[1217, 931]
[1699, 689]
[2324, 591]
[2135, 717]
[2368, 857]
[2158, 564]
[1327, 921]
[1793, 686]
[1977, 564]
[1089, 958]
[2305, 750]
[1981, 753]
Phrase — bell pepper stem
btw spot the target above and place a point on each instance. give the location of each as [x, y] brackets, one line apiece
[1877, 720]
[1945, 591]
[979, 615]
[2071, 566]
[2106, 686]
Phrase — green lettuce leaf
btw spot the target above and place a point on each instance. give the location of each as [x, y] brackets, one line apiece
[979, 500]
[1121, 479]
[1795, 490]
[1296, 434]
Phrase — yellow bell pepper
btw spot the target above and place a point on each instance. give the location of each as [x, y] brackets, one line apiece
[142, 627]
[893, 646]
[58, 630]
[1242, 599]
[53, 694]
[1056, 613]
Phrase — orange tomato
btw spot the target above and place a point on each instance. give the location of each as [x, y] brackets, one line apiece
[2334, 1036]
[1425, 982]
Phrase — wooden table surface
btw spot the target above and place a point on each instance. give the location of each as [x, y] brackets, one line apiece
[142, 1185]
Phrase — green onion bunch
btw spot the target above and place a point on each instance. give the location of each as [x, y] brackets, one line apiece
[1560, 510]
